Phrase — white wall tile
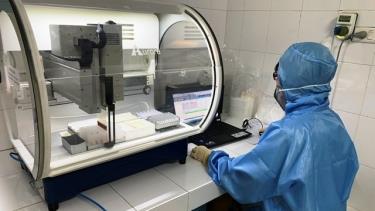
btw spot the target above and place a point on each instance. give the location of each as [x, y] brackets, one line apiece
[321, 5]
[358, 53]
[231, 60]
[286, 5]
[254, 32]
[316, 26]
[363, 191]
[365, 143]
[334, 84]
[233, 29]
[350, 121]
[248, 75]
[366, 18]
[217, 19]
[235, 4]
[200, 3]
[349, 208]
[183, 1]
[369, 103]
[219, 4]
[7, 101]
[268, 84]
[357, 5]
[4, 136]
[269, 110]
[257, 4]
[351, 87]
[205, 13]
[282, 31]
[251, 62]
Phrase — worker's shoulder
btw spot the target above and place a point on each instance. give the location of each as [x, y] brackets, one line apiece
[309, 117]
[306, 121]
[277, 128]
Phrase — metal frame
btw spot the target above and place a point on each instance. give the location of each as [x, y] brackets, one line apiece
[39, 93]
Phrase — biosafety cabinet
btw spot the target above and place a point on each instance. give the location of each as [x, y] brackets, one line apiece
[92, 91]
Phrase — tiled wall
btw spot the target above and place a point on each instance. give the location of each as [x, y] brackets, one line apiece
[258, 31]
[215, 13]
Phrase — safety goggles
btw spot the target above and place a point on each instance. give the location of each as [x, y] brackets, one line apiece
[274, 74]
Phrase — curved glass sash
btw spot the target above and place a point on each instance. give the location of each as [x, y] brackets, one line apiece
[100, 83]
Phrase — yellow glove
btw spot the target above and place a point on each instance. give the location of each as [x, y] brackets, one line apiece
[201, 153]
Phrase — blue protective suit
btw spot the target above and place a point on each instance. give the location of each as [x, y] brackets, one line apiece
[305, 161]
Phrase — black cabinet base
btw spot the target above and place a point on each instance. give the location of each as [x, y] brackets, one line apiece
[53, 207]
[67, 186]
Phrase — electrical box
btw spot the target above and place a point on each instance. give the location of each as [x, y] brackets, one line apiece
[345, 25]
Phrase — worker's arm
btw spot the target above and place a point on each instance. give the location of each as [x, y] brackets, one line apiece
[254, 176]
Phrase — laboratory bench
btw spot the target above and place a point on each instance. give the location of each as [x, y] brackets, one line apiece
[168, 187]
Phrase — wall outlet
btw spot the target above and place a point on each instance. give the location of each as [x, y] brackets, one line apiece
[345, 25]
[370, 35]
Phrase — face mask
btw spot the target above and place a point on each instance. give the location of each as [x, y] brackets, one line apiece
[279, 94]
[280, 98]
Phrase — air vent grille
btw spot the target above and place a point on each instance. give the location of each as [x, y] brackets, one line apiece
[192, 33]
[113, 39]
[128, 32]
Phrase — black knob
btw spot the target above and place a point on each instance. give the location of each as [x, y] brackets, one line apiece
[341, 31]
[147, 90]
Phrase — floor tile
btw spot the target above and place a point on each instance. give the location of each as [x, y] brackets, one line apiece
[16, 192]
[8, 165]
[104, 195]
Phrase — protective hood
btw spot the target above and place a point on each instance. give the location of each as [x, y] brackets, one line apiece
[305, 71]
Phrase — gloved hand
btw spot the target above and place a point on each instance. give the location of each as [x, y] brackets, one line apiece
[201, 153]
